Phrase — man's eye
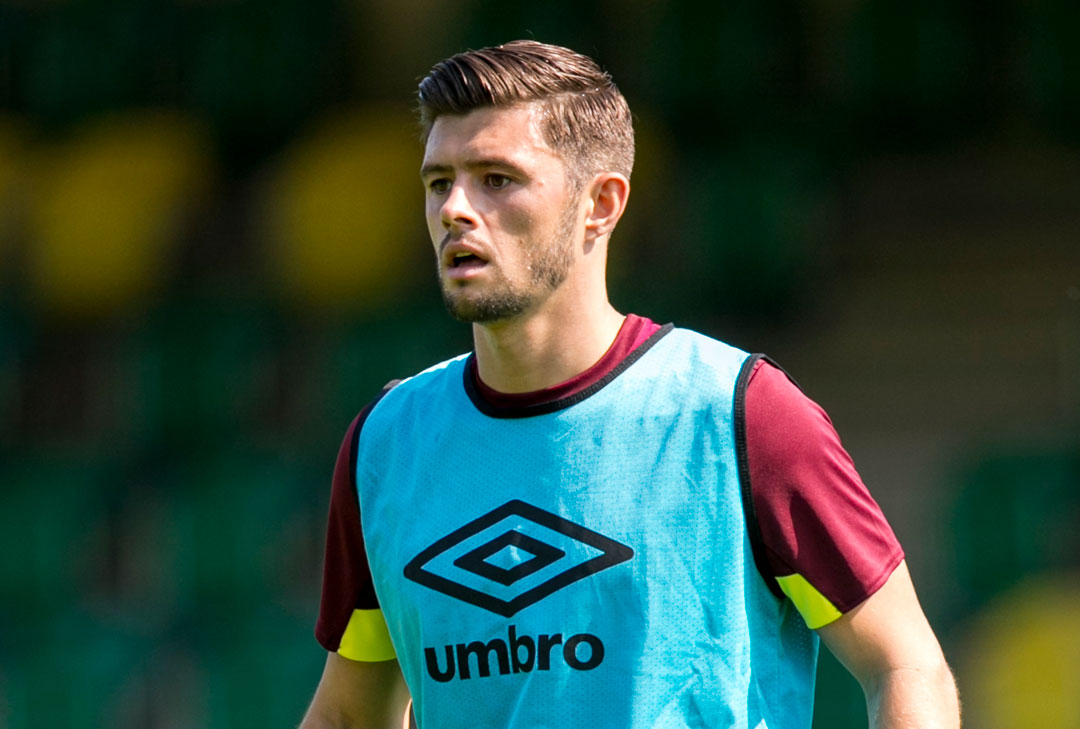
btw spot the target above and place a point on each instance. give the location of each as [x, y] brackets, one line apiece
[497, 181]
[440, 185]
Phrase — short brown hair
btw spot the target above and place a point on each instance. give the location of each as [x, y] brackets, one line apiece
[587, 120]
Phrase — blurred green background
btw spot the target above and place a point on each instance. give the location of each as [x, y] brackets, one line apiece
[212, 254]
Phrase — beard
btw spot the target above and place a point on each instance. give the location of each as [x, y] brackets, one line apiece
[548, 266]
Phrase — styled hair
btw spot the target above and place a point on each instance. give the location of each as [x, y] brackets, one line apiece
[586, 120]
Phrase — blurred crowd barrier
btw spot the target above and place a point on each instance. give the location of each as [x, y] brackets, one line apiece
[213, 253]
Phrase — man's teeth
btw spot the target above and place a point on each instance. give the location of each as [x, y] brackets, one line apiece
[463, 257]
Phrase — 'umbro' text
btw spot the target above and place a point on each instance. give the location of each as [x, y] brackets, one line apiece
[517, 654]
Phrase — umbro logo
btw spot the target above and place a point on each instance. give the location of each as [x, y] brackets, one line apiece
[512, 557]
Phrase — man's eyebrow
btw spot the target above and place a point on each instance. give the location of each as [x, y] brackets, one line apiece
[472, 164]
[434, 169]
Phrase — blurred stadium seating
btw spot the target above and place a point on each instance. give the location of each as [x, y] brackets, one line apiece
[340, 213]
[103, 211]
[1022, 656]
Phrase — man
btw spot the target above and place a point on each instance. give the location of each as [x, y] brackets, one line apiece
[592, 520]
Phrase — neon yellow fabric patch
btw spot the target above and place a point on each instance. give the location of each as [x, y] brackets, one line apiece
[815, 608]
[366, 638]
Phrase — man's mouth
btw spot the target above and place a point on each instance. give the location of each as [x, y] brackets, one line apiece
[463, 265]
[464, 259]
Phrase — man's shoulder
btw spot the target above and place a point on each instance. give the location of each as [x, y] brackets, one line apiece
[436, 372]
[703, 348]
[421, 386]
[698, 336]
[691, 368]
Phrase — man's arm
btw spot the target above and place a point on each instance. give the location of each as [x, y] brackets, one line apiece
[357, 695]
[889, 647]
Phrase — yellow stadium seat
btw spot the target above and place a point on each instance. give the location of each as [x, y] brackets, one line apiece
[1021, 669]
[344, 213]
[105, 204]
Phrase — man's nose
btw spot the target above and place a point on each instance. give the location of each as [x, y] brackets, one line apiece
[456, 211]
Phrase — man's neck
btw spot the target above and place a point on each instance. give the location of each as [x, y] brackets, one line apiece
[544, 349]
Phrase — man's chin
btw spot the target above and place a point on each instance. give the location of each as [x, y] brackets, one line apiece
[486, 309]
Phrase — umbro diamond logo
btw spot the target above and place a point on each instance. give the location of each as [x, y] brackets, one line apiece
[513, 557]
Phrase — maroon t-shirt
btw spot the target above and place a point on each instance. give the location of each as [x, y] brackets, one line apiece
[815, 515]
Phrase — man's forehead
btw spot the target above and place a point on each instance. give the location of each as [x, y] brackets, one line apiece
[508, 131]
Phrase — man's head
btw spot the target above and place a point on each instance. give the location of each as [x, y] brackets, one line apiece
[586, 120]
[528, 150]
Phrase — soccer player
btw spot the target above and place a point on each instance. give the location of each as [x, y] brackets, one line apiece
[592, 520]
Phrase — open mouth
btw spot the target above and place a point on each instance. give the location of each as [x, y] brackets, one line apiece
[465, 259]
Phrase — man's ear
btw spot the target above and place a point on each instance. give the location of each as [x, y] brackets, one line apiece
[608, 194]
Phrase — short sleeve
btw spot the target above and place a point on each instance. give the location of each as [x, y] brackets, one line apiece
[350, 622]
[826, 540]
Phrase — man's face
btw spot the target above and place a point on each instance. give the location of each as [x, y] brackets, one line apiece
[500, 212]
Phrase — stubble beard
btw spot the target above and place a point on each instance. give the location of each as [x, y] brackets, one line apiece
[548, 267]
